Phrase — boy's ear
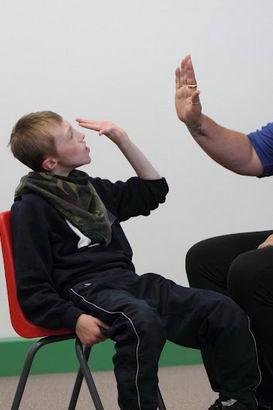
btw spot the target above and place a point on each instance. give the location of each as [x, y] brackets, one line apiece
[49, 164]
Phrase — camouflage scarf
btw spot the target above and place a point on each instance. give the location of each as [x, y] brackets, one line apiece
[75, 198]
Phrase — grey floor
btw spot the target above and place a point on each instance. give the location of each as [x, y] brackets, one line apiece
[183, 388]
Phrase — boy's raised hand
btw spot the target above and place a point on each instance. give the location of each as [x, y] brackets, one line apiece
[136, 158]
[111, 130]
[187, 101]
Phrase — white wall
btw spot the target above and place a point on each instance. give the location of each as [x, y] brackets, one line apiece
[115, 60]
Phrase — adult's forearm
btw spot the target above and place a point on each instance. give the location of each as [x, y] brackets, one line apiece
[229, 148]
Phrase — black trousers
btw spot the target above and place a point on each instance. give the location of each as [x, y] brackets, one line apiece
[233, 265]
[145, 311]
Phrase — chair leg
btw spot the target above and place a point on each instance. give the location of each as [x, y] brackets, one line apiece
[24, 375]
[161, 404]
[78, 382]
[28, 363]
[88, 377]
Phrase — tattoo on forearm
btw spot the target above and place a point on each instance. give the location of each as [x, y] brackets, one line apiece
[196, 130]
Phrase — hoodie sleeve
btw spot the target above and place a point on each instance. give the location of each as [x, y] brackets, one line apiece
[133, 197]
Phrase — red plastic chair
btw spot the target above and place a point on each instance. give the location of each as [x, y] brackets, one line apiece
[23, 327]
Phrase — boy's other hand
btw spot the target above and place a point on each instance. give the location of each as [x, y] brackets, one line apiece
[187, 101]
[111, 130]
[88, 329]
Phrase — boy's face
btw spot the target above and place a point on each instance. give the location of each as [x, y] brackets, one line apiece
[72, 151]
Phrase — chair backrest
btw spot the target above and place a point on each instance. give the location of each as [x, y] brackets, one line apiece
[20, 323]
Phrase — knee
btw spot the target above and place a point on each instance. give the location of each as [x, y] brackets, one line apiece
[222, 316]
[194, 254]
[149, 327]
[196, 257]
[138, 324]
[246, 276]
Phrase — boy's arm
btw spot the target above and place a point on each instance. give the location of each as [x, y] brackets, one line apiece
[231, 149]
[142, 166]
[134, 197]
[137, 196]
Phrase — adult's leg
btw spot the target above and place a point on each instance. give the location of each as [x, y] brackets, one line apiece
[250, 284]
[198, 318]
[139, 335]
[208, 261]
[227, 265]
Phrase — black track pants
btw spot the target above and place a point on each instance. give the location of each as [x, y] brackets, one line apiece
[145, 311]
[233, 265]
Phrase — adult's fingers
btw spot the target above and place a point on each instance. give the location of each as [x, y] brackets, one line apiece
[195, 97]
[177, 78]
[190, 75]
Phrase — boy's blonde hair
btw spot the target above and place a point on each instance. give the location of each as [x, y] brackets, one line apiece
[32, 138]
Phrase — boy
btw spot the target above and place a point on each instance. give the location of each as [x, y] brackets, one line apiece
[74, 267]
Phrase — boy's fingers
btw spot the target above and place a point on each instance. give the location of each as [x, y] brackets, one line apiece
[105, 131]
[86, 122]
[81, 120]
[103, 325]
[91, 124]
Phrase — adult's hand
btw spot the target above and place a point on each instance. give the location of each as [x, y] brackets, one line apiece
[187, 100]
[267, 242]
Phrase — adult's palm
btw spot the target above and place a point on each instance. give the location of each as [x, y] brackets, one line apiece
[187, 100]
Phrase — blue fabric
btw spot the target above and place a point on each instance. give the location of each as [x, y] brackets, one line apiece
[262, 141]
